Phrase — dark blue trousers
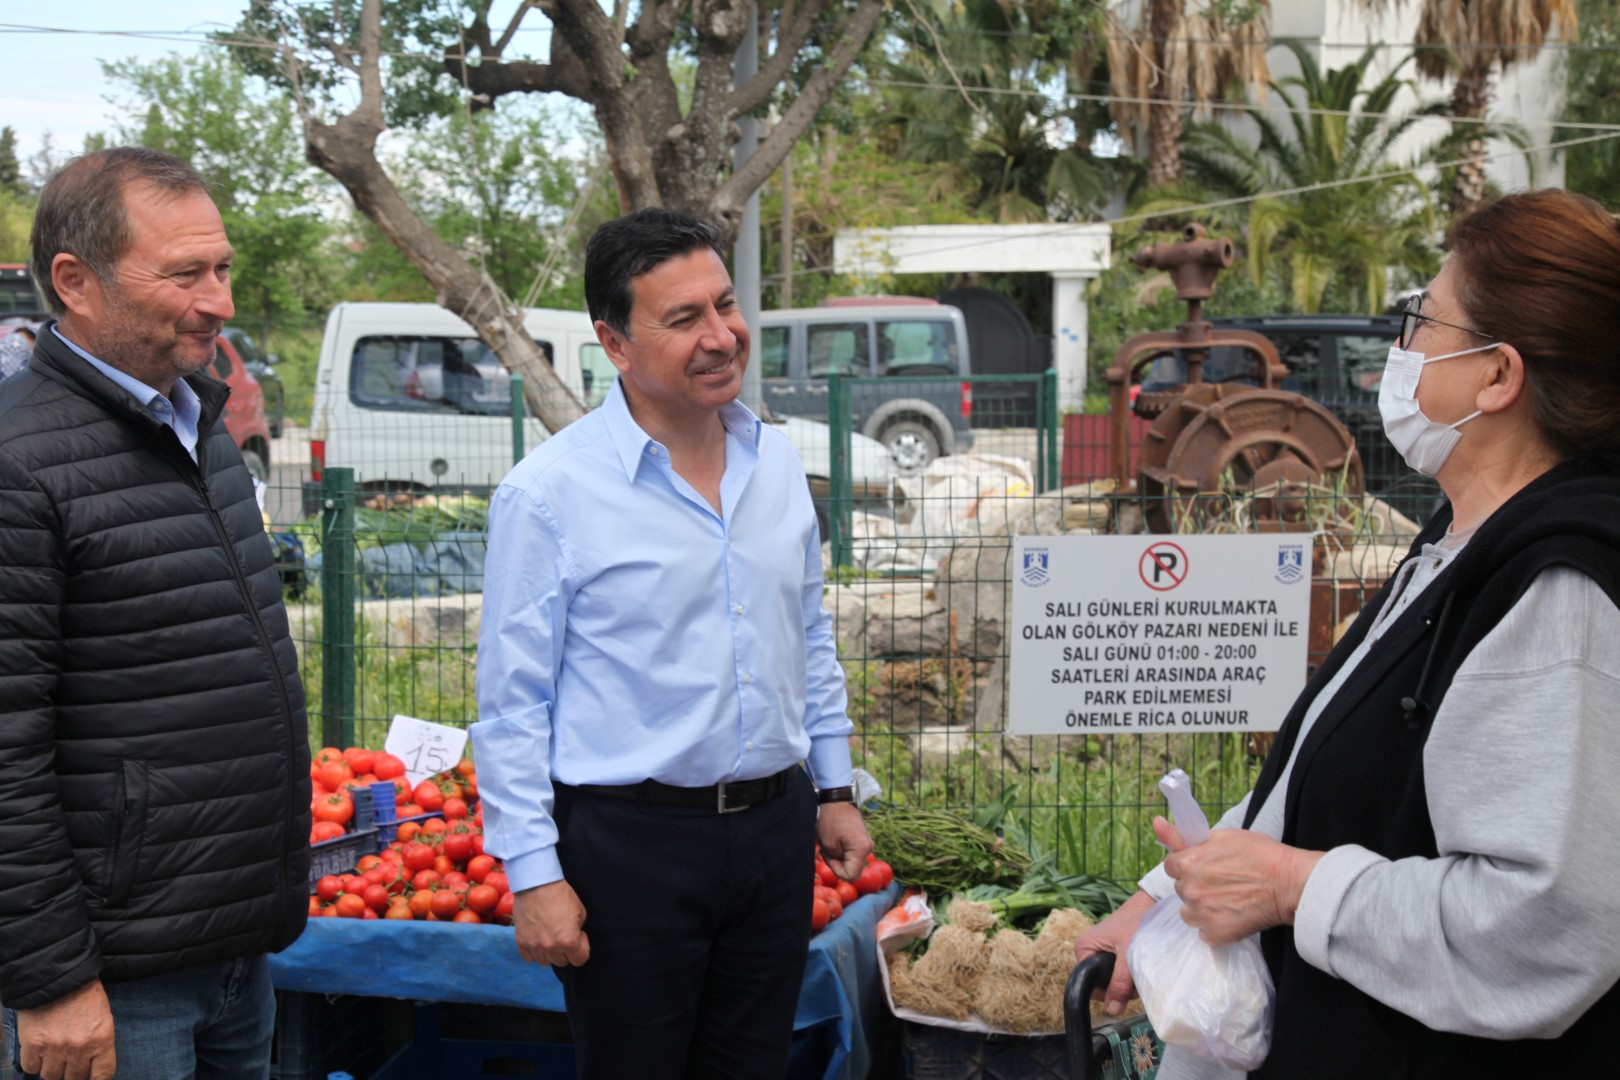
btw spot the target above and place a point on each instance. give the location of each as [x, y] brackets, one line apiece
[699, 926]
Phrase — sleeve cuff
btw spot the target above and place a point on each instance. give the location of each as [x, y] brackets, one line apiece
[533, 869]
[829, 761]
[1156, 883]
[1322, 897]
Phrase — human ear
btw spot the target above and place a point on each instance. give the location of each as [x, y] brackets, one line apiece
[615, 344]
[76, 284]
[1504, 380]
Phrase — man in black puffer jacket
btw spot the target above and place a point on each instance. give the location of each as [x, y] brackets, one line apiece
[154, 807]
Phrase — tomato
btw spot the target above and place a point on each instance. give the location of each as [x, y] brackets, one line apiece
[335, 807]
[314, 906]
[428, 796]
[496, 880]
[425, 880]
[328, 887]
[825, 875]
[434, 825]
[470, 786]
[887, 872]
[455, 809]
[390, 854]
[367, 862]
[870, 881]
[329, 911]
[409, 809]
[333, 773]
[468, 916]
[465, 767]
[443, 863]
[376, 897]
[408, 831]
[421, 904]
[376, 875]
[360, 759]
[479, 867]
[455, 879]
[324, 831]
[830, 897]
[820, 915]
[478, 843]
[418, 857]
[482, 899]
[349, 906]
[847, 893]
[326, 754]
[445, 904]
[398, 911]
[459, 847]
[503, 910]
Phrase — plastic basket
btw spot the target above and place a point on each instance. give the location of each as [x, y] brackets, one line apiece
[938, 1053]
[317, 1035]
[339, 856]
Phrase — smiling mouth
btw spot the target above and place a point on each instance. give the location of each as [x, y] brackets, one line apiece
[716, 369]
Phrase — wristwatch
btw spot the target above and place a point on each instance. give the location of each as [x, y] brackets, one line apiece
[835, 794]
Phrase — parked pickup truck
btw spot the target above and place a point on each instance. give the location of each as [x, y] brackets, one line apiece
[408, 397]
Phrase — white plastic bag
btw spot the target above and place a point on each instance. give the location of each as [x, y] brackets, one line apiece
[1213, 1001]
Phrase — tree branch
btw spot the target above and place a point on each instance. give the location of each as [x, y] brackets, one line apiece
[792, 32]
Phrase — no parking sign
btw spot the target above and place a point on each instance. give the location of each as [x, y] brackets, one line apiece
[1141, 634]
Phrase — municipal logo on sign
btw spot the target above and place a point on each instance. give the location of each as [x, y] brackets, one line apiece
[1290, 563]
[1037, 567]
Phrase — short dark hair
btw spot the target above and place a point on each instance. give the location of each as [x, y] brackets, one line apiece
[1541, 271]
[81, 210]
[631, 246]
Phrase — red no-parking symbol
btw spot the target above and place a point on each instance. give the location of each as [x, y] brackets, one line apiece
[1163, 566]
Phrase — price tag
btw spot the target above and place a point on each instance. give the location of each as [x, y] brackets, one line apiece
[426, 748]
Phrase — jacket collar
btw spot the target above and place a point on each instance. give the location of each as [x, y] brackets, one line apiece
[57, 361]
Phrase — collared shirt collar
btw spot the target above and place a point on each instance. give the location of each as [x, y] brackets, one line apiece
[181, 410]
[631, 442]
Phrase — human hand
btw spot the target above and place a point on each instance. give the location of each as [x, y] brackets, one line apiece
[550, 925]
[1237, 882]
[1113, 935]
[70, 1038]
[843, 839]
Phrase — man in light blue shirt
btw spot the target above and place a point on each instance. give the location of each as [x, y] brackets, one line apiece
[654, 666]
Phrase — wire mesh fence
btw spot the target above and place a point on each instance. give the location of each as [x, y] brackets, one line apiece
[384, 587]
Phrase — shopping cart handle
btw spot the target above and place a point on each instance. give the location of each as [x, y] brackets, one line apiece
[1088, 975]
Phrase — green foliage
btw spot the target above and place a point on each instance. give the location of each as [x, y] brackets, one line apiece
[10, 168]
[1340, 241]
[1592, 90]
[16, 219]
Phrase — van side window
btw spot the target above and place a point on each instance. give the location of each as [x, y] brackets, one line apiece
[1361, 362]
[773, 352]
[222, 363]
[597, 372]
[432, 375]
[839, 347]
[917, 347]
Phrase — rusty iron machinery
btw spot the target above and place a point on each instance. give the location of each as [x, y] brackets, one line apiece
[1212, 439]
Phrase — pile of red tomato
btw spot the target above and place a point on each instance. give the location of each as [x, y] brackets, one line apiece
[338, 777]
[833, 894]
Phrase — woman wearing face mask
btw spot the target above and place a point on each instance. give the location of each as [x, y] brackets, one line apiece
[1431, 855]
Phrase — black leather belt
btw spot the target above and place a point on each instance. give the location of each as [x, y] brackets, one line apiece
[725, 798]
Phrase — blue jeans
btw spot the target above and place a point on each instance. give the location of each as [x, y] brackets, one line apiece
[209, 1022]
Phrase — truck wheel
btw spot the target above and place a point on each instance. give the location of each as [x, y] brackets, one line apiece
[255, 466]
[913, 444]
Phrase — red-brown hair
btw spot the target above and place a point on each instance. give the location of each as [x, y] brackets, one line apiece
[1540, 270]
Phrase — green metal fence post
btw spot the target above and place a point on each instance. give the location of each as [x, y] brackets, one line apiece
[337, 608]
[839, 493]
[1054, 465]
[517, 418]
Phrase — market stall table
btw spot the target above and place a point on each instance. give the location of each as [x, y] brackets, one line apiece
[839, 1000]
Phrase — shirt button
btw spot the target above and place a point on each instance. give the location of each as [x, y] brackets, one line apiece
[739, 609]
[749, 745]
[748, 678]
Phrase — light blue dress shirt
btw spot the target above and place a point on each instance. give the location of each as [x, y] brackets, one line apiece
[180, 410]
[629, 632]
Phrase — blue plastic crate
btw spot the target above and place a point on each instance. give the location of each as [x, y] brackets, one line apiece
[340, 856]
[318, 1034]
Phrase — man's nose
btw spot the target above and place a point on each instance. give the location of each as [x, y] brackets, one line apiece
[215, 299]
[718, 336]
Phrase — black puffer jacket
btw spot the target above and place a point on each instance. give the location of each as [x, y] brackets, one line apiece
[154, 800]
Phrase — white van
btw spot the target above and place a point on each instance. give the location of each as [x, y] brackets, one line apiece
[408, 397]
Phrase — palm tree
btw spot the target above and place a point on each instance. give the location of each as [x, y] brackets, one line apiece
[1466, 39]
[1175, 56]
[1340, 239]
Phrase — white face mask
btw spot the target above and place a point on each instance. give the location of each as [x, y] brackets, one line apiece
[1423, 444]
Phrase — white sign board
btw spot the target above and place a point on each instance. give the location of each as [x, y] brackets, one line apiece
[1149, 634]
[426, 748]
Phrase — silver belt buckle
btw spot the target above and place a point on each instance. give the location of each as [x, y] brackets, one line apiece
[720, 801]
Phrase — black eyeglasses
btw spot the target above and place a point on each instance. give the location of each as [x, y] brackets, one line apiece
[1411, 316]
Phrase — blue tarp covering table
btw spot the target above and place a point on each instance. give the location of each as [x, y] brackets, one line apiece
[838, 1001]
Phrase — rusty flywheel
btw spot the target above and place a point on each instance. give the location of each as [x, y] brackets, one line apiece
[1222, 440]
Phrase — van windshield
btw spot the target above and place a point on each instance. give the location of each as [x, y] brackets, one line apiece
[432, 375]
[916, 347]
